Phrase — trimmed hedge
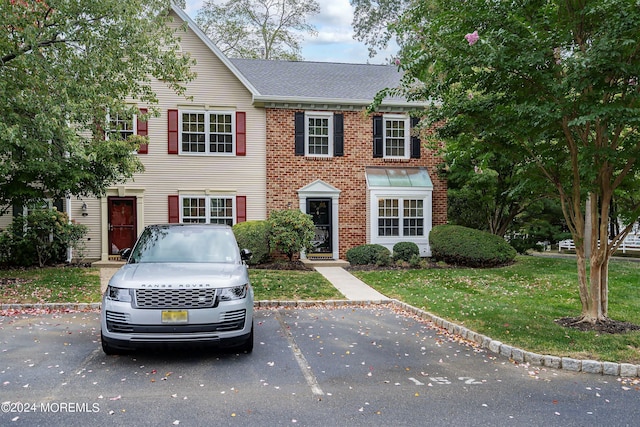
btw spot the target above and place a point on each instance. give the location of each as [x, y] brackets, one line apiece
[405, 251]
[464, 246]
[254, 235]
[369, 254]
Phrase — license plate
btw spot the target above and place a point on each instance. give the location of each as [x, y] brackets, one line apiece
[175, 316]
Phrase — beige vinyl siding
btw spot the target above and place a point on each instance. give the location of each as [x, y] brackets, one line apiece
[215, 88]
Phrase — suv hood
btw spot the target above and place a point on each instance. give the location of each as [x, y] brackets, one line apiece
[180, 275]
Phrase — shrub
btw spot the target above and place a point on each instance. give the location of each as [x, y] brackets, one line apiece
[464, 246]
[40, 238]
[369, 254]
[405, 251]
[254, 235]
[292, 231]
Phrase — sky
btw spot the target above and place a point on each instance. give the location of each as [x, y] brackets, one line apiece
[335, 42]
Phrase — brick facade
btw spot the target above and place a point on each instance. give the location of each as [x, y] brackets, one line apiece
[287, 173]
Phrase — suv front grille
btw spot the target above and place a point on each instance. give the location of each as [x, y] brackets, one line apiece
[175, 298]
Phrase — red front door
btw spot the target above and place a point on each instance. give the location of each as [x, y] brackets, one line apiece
[122, 223]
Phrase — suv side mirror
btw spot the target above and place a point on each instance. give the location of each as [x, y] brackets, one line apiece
[124, 254]
[245, 254]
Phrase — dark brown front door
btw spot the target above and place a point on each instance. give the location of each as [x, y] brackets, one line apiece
[320, 210]
[122, 223]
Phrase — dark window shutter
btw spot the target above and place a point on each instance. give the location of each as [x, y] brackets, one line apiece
[241, 208]
[173, 132]
[18, 210]
[142, 131]
[378, 138]
[59, 205]
[299, 133]
[174, 209]
[415, 140]
[338, 135]
[241, 133]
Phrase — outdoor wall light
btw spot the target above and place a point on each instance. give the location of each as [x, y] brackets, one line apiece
[84, 209]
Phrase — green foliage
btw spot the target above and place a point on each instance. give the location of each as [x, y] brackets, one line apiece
[551, 84]
[292, 231]
[405, 251]
[258, 29]
[71, 62]
[254, 235]
[372, 254]
[464, 246]
[40, 238]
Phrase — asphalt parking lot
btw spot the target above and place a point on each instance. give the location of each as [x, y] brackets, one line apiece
[316, 366]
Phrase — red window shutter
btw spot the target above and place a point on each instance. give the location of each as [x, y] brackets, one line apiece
[173, 132]
[241, 133]
[143, 131]
[241, 208]
[174, 209]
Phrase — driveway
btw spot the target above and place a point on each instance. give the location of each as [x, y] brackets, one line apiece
[318, 366]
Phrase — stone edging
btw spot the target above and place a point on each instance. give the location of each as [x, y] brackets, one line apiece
[517, 355]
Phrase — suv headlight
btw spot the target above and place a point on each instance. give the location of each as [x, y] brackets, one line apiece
[118, 294]
[236, 292]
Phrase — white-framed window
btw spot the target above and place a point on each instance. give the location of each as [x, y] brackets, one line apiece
[400, 217]
[319, 134]
[121, 125]
[207, 132]
[396, 136]
[214, 209]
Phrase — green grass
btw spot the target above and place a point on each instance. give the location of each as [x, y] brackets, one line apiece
[519, 303]
[288, 285]
[50, 285]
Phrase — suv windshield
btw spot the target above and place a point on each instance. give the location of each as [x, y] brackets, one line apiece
[188, 243]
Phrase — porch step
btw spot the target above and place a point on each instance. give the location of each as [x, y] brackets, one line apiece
[312, 263]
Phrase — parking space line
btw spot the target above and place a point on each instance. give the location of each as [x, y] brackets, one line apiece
[302, 361]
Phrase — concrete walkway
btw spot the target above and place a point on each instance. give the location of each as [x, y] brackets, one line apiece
[349, 285]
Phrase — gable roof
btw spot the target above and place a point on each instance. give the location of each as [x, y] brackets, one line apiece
[319, 82]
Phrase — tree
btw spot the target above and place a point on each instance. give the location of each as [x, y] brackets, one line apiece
[371, 21]
[552, 82]
[267, 29]
[292, 231]
[488, 190]
[63, 67]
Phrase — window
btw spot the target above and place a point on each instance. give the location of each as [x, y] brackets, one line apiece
[396, 136]
[207, 132]
[390, 216]
[207, 209]
[121, 126]
[319, 136]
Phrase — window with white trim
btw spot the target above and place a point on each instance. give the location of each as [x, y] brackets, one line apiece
[207, 209]
[396, 136]
[207, 132]
[390, 217]
[121, 125]
[319, 135]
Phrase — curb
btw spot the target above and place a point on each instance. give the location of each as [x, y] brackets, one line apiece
[626, 370]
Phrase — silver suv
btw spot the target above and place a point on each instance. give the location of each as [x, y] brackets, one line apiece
[181, 283]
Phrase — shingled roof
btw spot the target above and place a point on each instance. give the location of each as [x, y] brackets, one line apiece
[328, 82]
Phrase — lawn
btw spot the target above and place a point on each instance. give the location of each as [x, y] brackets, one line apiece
[516, 304]
[519, 303]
